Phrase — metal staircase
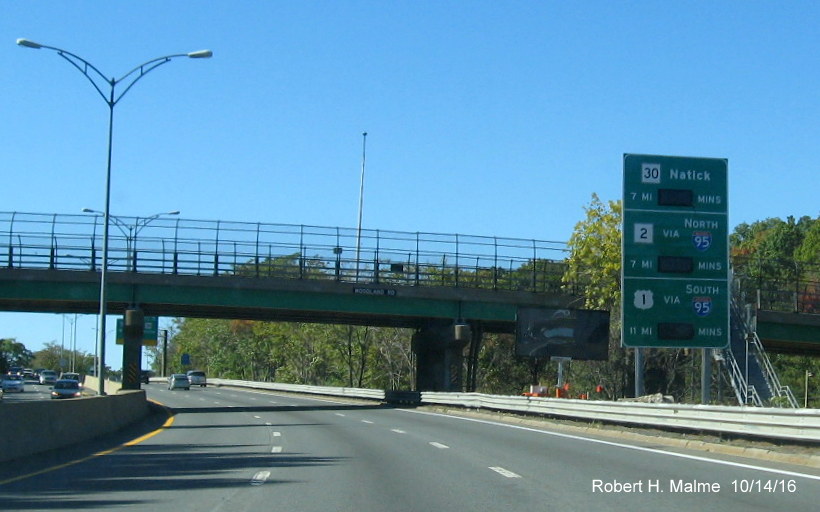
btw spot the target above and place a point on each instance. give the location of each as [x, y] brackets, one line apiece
[751, 373]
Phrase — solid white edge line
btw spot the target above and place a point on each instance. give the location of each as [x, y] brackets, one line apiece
[626, 446]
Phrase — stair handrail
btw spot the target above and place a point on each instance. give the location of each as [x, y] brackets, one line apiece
[772, 380]
[768, 371]
[743, 391]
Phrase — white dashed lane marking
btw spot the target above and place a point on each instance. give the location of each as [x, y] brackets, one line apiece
[505, 472]
[260, 477]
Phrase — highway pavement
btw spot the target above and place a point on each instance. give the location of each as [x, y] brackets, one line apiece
[241, 450]
[33, 391]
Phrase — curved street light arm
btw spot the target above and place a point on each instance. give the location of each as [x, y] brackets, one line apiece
[83, 66]
[113, 218]
[143, 69]
[143, 222]
[84, 69]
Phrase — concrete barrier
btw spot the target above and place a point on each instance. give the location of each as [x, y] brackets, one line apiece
[32, 427]
[93, 383]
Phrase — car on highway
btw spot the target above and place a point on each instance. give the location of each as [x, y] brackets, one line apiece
[48, 376]
[13, 383]
[197, 378]
[70, 376]
[179, 381]
[145, 376]
[66, 388]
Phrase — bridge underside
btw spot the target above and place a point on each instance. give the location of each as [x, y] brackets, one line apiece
[789, 333]
[432, 311]
[290, 300]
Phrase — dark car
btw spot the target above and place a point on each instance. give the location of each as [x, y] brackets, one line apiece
[66, 388]
[145, 376]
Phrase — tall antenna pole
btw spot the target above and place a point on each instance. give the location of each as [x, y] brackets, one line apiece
[361, 204]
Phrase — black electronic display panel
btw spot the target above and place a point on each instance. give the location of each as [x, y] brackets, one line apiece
[675, 197]
[675, 264]
[676, 331]
[580, 334]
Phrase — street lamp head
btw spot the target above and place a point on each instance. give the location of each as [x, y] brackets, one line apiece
[29, 44]
[89, 210]
[173, 212]
[201, 54]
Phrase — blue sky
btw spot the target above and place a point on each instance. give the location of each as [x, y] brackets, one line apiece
[483, 117]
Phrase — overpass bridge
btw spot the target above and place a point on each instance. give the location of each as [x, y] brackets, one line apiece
[177, 267]
[168, 266]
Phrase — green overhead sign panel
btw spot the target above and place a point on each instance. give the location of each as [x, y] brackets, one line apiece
[675, 257]
[150, 332]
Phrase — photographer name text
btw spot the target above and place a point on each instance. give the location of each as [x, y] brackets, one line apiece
[681, 486]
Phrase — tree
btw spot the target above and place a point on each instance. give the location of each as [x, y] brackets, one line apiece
[500, 371]
[780, 258]
[52, 355]
[594, 269]
[394, 364]
[594, 263]
[13, 353]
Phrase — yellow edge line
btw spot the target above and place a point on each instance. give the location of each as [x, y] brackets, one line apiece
[167, 424]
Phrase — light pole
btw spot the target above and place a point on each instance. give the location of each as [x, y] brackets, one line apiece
[95, 76]
[133, 231]
[361, 204]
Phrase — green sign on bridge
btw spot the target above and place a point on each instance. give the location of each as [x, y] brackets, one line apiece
[675, 257]
[150, 331]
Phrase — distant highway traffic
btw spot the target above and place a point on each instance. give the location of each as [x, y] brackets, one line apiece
[233, 450]
[33, 391]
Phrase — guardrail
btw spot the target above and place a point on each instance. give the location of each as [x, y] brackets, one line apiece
[768, 423]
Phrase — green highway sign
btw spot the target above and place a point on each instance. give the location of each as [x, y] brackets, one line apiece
[675, 252]
[149, 336]
[695, 236]
[676, 313]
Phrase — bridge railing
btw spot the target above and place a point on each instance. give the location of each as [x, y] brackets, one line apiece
[778, 285]
[169, 245]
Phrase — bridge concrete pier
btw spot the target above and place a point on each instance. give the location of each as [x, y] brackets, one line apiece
[439, 349]
[133, 331]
